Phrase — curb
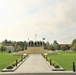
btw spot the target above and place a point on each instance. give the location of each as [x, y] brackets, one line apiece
[58, 69]
[52, 67]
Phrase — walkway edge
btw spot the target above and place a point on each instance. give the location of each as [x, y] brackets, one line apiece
[52, 67]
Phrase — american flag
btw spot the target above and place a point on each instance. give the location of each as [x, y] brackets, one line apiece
[43, 38]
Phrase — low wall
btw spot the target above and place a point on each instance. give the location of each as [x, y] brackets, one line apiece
[55, 73]
[35, 50]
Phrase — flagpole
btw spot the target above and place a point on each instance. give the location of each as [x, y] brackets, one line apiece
[28, 42]
[35, 37]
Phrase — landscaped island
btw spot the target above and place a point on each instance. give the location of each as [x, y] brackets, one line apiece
[64, 59]
[6, 59]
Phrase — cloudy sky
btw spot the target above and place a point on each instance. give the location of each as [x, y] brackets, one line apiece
[52, 19]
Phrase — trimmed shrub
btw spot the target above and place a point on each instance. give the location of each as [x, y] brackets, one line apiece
[25, 57]
[56, 66]
[14, 63]
[9, 67]
[19, 60]
[50, 61]
[53, 63]
[9, 51]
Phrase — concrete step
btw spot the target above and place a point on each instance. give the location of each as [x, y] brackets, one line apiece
[35, 50]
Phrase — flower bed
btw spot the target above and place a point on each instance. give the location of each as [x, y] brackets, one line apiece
[13, 66]
[55, 66]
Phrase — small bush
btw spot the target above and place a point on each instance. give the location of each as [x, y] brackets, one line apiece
[9, 67]
[24, 57]
[14, 64]
[19, 60]
[50, 60]
[53, 63]
[56, 66]
[9, 51]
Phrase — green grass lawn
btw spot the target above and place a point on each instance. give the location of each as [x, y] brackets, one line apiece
[6, 59]
[64, 59]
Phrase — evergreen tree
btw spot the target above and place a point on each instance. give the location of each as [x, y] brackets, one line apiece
[56, 46]
[73, 45]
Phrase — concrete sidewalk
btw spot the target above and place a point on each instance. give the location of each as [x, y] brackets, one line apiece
[34, 64]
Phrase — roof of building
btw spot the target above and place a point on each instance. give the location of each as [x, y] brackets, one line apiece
[64, 44]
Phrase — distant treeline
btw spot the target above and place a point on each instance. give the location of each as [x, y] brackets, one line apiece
[22, 45]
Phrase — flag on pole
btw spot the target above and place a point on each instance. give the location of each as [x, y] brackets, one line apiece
[43, 38]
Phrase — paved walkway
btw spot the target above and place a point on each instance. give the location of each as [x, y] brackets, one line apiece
[35, 63]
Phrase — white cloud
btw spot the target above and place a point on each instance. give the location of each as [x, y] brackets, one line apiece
[52, 19]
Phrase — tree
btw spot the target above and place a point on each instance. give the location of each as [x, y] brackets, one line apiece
[25, 45]
[2, 48]
[20, 45]
[5, 42]
[56, 46]
[18, 48]
[51, 47]
[45, 47]
[73, 45]
[67, 47]
[63, 48]
[37, 43]
[31, 43]
[48, 46]
[40, 43]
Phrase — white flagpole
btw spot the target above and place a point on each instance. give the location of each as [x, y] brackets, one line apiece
[35, 37]
[28, 42]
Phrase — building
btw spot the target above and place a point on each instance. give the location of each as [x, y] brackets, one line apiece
[64, 45]
[10, 48]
